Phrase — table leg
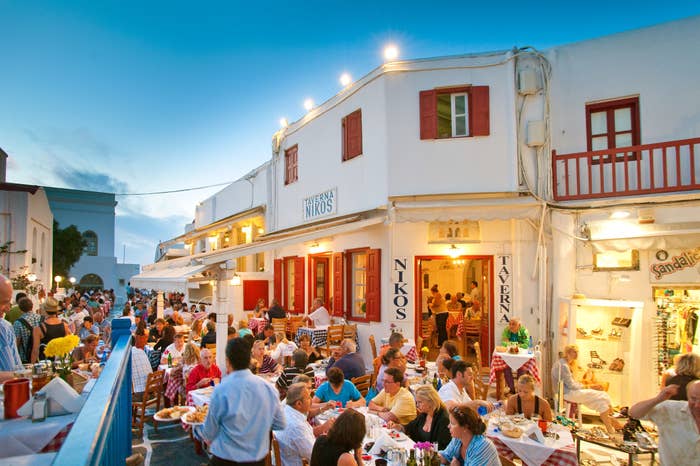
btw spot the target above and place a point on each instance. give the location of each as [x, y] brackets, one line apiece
[578, 449]
[500, 383]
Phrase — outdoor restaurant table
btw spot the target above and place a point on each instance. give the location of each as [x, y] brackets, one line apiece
[21, 436]
[256, 324]
[318, 335]
[408, 349]
[501, 361]
[561, 451]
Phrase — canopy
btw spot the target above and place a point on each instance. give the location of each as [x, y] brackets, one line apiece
[167, 278]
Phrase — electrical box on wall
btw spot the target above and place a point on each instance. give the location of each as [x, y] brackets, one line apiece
[535, 133]
[528, 81]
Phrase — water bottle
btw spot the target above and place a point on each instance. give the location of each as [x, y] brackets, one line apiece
[529, 347]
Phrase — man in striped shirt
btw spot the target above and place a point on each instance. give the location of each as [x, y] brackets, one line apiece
[300, 360]
[9, 356]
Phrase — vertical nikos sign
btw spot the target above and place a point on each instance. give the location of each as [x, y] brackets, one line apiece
[399, 292]
[321, 204]
[504, 288]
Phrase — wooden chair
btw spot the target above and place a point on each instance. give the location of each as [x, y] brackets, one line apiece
[454, 316]
[211, 347]
[427, 333]
[362, 383]
[334, 337]
[373, 346]
[280, 325]
[294, 324]
[481, 369]
[505, 461]
[350, 332]
[472, 333]
[152, 396]
[276, 451]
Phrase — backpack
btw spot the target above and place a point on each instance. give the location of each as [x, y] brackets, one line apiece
[29, 345]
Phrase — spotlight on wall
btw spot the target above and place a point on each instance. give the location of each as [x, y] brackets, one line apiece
[236, 280]
[454, 252]
[72, 280]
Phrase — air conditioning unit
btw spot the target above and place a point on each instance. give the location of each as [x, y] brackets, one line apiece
[528, 81]
[535, 133]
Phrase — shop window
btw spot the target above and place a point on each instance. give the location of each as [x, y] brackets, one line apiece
[454, 112]
[290, 165]
[90, 238]
[612, 124]
[352, 135]
[289, 283]
[363, 284]
[610, 261]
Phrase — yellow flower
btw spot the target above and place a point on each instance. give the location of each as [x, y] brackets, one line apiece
[60, 347]
[424, 349]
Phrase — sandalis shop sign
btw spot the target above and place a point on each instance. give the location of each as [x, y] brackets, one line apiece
[321, 204]
[675, 267]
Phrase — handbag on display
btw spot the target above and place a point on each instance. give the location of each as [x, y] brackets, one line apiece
[617, 365]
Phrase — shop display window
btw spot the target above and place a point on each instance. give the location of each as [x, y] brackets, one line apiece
[676, 323]
[611, 261]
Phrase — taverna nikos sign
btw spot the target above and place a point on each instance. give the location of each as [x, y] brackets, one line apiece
[321, 204]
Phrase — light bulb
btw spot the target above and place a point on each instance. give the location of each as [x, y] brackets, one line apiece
[391, 52]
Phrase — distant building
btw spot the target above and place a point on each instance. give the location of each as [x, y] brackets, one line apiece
[93, 213]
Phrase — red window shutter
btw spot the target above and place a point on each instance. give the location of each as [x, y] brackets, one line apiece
[299, 285]
[338, 274]
[372, 296]
[254, 290]
[480, 124]
[428, 114]
[352, 135]
[277, 277]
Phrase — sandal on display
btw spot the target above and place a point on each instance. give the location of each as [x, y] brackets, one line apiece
[581, 332]
[615, 333]
[617, 365]
[596, 361]
[597, 331]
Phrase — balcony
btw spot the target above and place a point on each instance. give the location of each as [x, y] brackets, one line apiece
[660, 168]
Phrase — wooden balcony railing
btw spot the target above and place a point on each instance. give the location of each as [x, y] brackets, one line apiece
[664, 167]
[101, 434]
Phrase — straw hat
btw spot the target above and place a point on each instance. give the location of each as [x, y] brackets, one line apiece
[50, 306]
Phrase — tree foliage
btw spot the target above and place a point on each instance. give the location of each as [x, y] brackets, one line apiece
[68, 245]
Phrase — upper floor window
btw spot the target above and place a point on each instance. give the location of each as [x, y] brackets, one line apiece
[352, 135]
[613, 123]
[454, 112]
[90, 238]
[290, 165]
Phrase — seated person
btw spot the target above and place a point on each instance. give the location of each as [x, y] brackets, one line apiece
[432, 423]
[468, 445]
[305, 344]
[588, 394]
[336, 388]
[296, 440]
[166, 339]
[88, 328]
[342, 446]
[396, 342]
[209, 338]
[394, 403]
[267, 335]
[275, 311]
[205, 373]
[526, 402]
[449, 349]
[348, 360]
[444, 368]
[260, 309]
[156, 332]
[300, 360]
[243, 329]
[457, 391]
[262, 363]
[514, 333]
[86, 352]
[174, 350]
[319, 315]
[282, 348]
[391, 358]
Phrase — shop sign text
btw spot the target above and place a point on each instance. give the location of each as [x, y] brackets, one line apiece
[504, 288]
[320, 204]
[685, 260]
[399, 294]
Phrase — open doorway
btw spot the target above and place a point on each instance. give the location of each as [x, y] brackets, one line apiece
[320, 278]
[467, 322]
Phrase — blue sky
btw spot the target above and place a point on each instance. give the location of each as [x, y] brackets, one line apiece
[150, 96]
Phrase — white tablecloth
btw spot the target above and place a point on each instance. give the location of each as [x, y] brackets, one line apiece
[531, 452]
[23, 437]
[43, 459]
[515, 361]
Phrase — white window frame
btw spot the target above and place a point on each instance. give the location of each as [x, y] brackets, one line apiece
[465, 115]
[358, 298]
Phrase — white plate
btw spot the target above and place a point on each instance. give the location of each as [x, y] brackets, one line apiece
[185, 421]
[169, 419]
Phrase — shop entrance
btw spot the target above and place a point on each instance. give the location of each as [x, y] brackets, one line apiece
[320, 278]
[470, 275]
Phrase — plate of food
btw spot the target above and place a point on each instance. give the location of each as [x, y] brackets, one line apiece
[514, 432]
[196, 417]
[397, 436]
[172, 414]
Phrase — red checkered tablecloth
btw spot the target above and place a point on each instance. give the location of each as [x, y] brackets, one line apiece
[408, 349]
[455, 320]
[565, 456]
[56, 442]
[256, 325]
[498, 364]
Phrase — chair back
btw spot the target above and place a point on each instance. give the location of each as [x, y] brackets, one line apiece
[294, 324]
[472, 327]
[419, 344]
[154, 386]
[362, 383]
[479, 364]
[335, 334]
[373, 346]
[280, 325]
[350, 331]
[426, 328]
[277, 457]
[505, 461]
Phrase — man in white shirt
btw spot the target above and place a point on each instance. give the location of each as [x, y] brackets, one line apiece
[319, 314]
[678, 423]
[455, 393]
[140, 368]
[297, 439]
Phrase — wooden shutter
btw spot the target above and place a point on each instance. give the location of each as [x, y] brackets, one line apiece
[254, 290]
[352, 135]
[480, 124]
[374, 283]
[277, 277]
[299, 284]
[338, 274]
[428, 114]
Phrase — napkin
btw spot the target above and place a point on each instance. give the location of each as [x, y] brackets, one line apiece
[62, 399]
[383, 443]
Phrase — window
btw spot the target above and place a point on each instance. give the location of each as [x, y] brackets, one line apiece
[613, 123]
[454, 112]
[290, 165]
[90, 238]
[352, 135]
[363, 284]
[614, 260]
[289, 283]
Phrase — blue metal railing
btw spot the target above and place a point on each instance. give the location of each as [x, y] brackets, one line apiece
[101, 434]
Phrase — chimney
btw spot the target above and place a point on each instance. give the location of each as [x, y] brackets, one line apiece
[3, 166]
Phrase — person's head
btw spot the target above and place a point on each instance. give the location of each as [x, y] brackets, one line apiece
[160, 323]
[25, 305]
[464, 421]
[190, 355]
[211, 327]
[348, 431]
[299, 397]
[335, 377]
[434, 289]
[268, 331]
[693, 391]
[427, 399]
[348, 346]
[392, 380]
[305, 379]
[243, 323]
[50, 307]
[688, 364]
[248, 338]
[514, 324]
[20, 295]
[570, 352]
[202, 307]
[168, 333]
[179, 340]
[459, 295]
[238, 354]
[396, 340]
[258, 349]
[462, 372]
[280, 337]
[448, 296]
[98, 317]
[318, 302]
[87, 322]
[444, 366]
[525, 386]
[90, 343]
[449, 349]
[193, 308]
[211, 316]
[205, 358]
[231, 332]
[474, 284]
[300, 358]
[304, 341]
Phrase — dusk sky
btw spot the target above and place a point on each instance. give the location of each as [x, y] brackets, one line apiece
[133, 97]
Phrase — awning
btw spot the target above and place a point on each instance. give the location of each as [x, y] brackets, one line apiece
[167, 278]
[467, 209]
[654, 236]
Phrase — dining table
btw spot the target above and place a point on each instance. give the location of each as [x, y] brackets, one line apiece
[557, 449]
[257, 324]
[318, 335]
[503, 360]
